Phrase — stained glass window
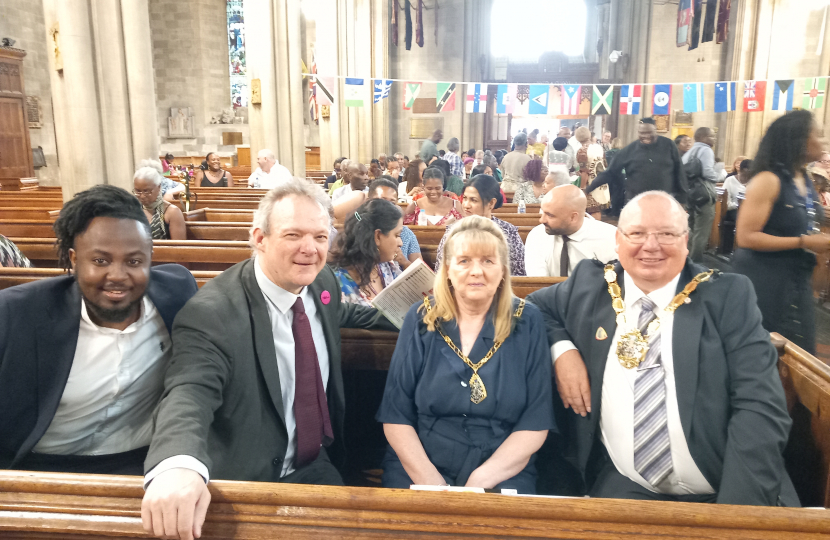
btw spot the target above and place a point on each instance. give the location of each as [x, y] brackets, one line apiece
[236, 54]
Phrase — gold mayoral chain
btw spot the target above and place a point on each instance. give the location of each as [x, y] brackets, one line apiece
[478, 392]
[632, 347]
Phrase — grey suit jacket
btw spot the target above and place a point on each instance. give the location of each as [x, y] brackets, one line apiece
[729, 394]
[222, 402]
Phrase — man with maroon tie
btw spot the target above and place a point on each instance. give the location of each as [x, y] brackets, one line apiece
[254, 390]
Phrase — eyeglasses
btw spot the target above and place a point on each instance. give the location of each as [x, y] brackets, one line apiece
[140, 192]
[663, 238]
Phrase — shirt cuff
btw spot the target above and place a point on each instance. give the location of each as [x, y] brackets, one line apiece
[557, 349]
[177, 462]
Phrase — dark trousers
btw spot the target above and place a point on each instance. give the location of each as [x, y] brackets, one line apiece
[320, 472]
[129, 463]
[610, 484]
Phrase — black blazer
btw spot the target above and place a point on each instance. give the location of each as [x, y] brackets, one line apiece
[39, 323]
[222, 401]
[729, 394]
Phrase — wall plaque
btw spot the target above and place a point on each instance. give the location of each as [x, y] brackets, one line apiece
[231, 138]
[422, 128]
[33, 112]
[683, 118]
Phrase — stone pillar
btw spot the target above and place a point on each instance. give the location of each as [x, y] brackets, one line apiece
[288, 53]
[138, 51]
[75, 96]
[476, 68]
[262, 117]
[328, 63]
[97, 122]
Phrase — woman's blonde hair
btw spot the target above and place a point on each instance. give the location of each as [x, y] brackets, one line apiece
[480, 235]
[617, 143]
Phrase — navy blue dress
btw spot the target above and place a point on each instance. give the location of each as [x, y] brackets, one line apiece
[428, 389]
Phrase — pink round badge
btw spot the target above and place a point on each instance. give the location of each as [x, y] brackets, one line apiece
[325, 297]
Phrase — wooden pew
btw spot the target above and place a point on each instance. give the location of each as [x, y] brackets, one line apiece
[49, 505]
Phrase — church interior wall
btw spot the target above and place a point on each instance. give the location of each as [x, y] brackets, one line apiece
[24, 22]
[441, 62]
[190, 59]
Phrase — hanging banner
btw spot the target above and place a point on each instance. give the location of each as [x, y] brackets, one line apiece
[505, 97]
[354, 92]
[692, 97]
[814, 91]
[755, 94]
[539, 95]
[661, 103]
[685, 15]
[411, 92]
[630, 97]
[571, 95]
[382, 88]
[725, 96]
[476, 98]
[782, 95]
[323, 90]
[445, 97]
[603, 100]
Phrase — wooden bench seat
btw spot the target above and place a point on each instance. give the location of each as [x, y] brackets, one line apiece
[48, 505]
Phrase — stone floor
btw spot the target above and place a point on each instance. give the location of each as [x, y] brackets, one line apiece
[822, 313]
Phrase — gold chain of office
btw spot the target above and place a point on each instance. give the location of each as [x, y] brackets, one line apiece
[633, 346]
[478, 392]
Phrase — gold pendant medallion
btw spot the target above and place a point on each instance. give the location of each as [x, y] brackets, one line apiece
[477, 390]
[632, 349]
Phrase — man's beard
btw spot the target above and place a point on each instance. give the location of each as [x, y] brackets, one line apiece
[555, 232]
[112, 315]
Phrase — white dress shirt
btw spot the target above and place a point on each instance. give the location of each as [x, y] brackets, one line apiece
[733, 188]
[114, 384]
[271, 179]
[594, 239]
[617, 404]
[279, 302]
[342, 191]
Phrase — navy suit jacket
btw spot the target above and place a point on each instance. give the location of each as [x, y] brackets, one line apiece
[39, 324]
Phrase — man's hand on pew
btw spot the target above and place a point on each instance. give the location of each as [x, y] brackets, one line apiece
[572, 382]
[175, 505]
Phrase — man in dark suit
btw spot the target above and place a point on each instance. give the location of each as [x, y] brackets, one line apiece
[255, 390]
[82, 357]
[699, 414]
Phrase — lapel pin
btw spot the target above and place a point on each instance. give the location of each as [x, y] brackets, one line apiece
[601, 334]
[687, 300]
[325, 297]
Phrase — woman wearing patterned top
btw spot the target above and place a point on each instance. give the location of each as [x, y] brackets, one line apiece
[363, 253]
[10, 256]
[481, 196]
[532, 191]
[166, 220]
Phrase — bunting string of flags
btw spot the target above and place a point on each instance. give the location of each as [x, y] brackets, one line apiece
[581, 100]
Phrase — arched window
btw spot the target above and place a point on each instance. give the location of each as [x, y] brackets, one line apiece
[236, 54]
[522, 31]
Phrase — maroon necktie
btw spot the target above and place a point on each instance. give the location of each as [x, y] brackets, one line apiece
[311, 410]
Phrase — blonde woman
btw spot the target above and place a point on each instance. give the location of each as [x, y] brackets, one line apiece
[472, 410]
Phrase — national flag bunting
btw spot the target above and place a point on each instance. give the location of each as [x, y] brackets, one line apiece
[354, 92]
[603, 100]
[782, 96]
[692, 97]
[411, 92]
[661, 104]
[445, 98]
[476, 98]
[323, 90]
[685, 15]
[505, 97]
[630, 97]
[755, 93]
[312, 101]
[725, 96]
[571, 95]
[539, 96]
[382, 88]
[815, 89]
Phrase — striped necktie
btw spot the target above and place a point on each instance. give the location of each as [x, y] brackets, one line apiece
[652, 451]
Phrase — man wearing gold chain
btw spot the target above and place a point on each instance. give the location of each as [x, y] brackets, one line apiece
[671, 374]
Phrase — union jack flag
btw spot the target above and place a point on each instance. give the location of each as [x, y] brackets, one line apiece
[749, 89]
[312, 91]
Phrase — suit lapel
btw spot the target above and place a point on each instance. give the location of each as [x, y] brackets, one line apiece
[263, 336]
[604, 318]
[686, 333]
[163, 302]
[56, 344]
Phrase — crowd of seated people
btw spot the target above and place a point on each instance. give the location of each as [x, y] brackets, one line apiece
[241, 380]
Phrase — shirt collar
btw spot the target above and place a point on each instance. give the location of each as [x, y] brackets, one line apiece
[282, 299]
[662, 297]
[580, 234]
[146, 312]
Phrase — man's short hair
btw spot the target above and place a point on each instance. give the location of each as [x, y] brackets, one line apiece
[398, 155]
[702, 132]
[267, 154]
[679, 139]
[453, 145]
[339, 160]
[560, 175]
[745, 165]
[294, 187]
[648, 120]
[383, 181]
[634, 204]
[520, 139]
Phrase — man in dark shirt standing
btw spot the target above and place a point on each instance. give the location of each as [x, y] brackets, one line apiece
[650, 163]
